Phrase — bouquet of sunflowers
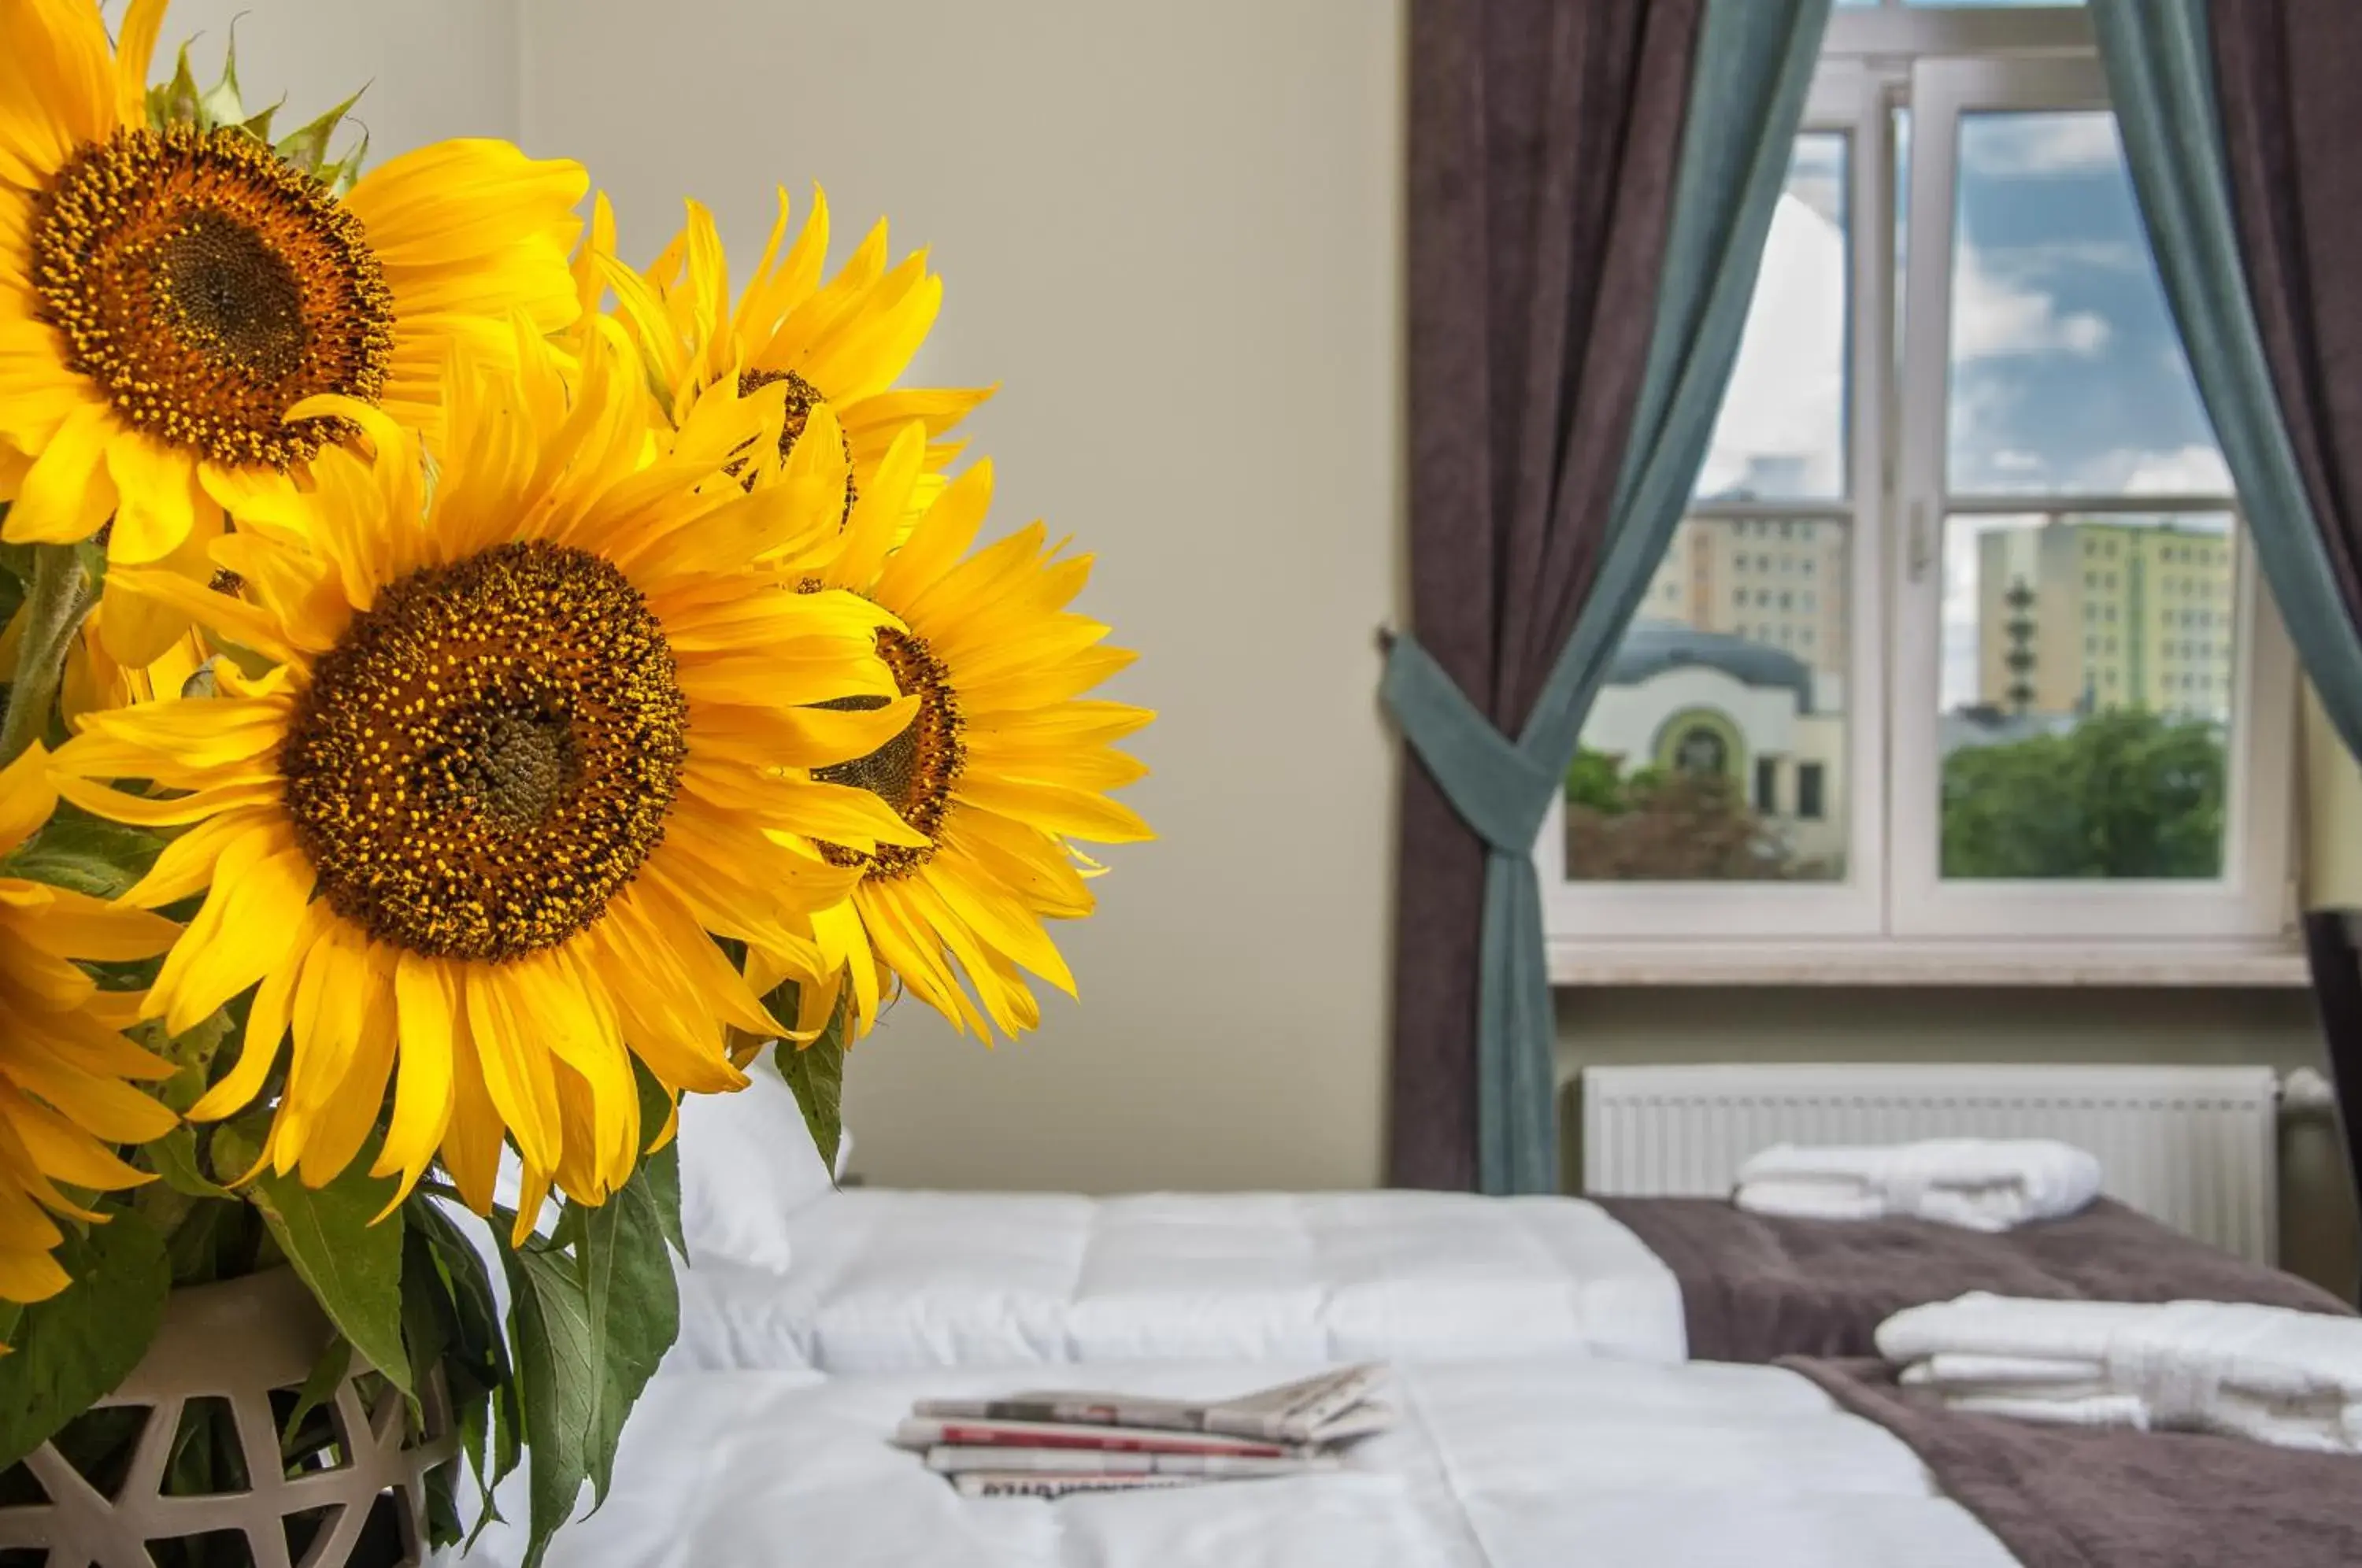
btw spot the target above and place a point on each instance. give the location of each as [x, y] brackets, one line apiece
[463, 695]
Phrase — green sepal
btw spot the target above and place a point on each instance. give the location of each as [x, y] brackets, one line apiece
[307, 146]
[76, 1347]
[257, 125]
[177, 103]
[224, 103]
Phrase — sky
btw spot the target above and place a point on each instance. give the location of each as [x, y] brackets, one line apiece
[2067, 375]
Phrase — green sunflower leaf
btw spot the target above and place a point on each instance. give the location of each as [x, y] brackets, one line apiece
[816, 1073]
[319, 1387]
[78, 1345]
[591, 1322]
[85, 854]
[173, 1158]
[662, 1169]
[353, 1266]
[452, 1320]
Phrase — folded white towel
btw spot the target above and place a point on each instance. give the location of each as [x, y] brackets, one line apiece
[2268, 1373]
[1978, 1184]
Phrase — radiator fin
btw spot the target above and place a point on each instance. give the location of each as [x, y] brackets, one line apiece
[2196, 1147]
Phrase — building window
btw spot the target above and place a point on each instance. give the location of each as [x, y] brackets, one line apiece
[1962, 381]
[1767, 785]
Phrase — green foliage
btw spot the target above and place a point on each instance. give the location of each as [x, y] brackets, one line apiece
[594, 1308]
[816, 1074]
[76, 1347]
[353, 1266]
[1595, 780]
[451, 1320]
[87, 854]
[2125, 794]
[1659, 825]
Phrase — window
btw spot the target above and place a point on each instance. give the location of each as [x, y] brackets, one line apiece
[1808, 792]
[1960, 407]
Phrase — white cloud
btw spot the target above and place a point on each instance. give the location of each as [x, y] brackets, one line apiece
[2097, 255]
[1781, 425]
[2186, 470]
[2043, 146]
[2010, 460]
[2000, 317]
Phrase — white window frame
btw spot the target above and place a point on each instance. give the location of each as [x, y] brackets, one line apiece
[1893, 919]
[2248, 902]
[1843, 101]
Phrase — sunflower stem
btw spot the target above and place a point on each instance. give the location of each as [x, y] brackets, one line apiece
[56, 605]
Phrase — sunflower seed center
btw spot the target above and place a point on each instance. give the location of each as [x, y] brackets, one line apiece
[802, 398]
[229, 293]
[205, 287]
[915, 771]
[489, 754]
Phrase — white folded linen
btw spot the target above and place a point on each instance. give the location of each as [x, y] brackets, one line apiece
[1978, 1184]
[2293, 1379]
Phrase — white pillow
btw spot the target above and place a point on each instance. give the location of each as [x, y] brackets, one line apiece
[746, 1164]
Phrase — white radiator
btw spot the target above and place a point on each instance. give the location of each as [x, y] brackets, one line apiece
[2196, 1147]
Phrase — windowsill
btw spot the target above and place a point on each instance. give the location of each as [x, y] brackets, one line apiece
[1578, 961]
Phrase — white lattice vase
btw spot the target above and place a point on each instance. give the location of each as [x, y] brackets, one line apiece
[239, 1342]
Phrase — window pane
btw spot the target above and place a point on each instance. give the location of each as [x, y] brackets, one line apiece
[1715, 751]
[2067, 374]
[2088, 667]
[1781, 432]
[1976, 5]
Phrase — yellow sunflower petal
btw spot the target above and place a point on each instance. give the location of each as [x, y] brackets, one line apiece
[57, 86]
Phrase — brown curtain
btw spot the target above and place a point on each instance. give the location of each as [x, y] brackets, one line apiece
[2286, 75]
[1544, 136]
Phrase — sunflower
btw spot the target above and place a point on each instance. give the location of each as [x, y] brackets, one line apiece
[837, 346]
[1003, 765]
[65, 1068]
[169, 293]
[531, 730]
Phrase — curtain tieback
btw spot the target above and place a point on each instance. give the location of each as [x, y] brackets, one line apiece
[1496, 788]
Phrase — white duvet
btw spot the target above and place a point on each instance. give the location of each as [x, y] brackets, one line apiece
[1522, 1464]
[883, 1281]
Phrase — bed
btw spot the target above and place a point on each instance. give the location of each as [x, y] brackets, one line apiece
[885, 1281]
[1498, 1464]
[791, 1273]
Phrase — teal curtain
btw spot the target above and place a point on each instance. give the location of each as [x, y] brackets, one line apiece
[1753, 66]
[2160, 68]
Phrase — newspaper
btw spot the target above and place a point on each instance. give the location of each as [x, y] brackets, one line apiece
[951, 1461]
[1023, 1483]
[1334, 1407]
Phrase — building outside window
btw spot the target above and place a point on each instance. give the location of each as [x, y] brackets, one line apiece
[1961, 408]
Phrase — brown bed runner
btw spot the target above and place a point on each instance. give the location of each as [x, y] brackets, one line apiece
[1758, 1286]
[2084, 1497]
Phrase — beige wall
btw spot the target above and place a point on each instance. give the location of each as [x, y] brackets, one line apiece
[434, 68]
[1174, 234]
[1171, 233]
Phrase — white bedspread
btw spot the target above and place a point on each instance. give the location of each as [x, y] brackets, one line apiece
[888, 1281]
[1534, 1464]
